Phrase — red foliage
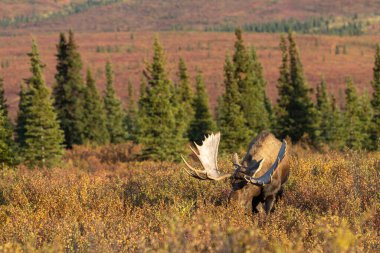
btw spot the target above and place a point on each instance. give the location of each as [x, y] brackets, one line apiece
[206, 51]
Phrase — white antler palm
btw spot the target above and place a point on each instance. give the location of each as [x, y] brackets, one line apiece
[208, 156]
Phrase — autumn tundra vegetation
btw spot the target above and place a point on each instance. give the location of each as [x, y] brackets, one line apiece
[81, 173]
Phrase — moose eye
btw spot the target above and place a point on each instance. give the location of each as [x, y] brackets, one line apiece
[238, 184]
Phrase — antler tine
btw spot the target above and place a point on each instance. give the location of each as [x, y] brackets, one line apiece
[188, 165]
[202, 174]
[193, 172]
[195, 153]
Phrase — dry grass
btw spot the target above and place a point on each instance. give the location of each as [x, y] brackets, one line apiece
[95, 204]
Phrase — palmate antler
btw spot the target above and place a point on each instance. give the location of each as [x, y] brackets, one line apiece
[208, 156]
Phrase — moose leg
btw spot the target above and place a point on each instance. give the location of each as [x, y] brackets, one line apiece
[269, 201]
[256, 205]
[280, 193]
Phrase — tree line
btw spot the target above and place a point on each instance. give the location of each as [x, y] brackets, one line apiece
[314, 25]
[170, 114]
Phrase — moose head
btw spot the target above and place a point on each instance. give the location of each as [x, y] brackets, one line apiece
[257, 179]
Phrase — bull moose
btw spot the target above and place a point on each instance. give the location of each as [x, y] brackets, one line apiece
[258, 179]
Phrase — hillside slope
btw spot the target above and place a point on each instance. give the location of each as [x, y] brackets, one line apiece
[333, 57]
[129, 15]
[15, 8]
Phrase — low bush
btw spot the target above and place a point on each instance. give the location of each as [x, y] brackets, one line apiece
[98, 202]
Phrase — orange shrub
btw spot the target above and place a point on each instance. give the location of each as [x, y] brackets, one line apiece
[95, 204]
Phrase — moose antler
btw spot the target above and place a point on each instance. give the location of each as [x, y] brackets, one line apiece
[208, 153]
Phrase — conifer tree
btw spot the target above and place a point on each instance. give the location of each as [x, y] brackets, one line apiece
[355, 118]
[7, 145]
[253, 101]
[3, 101]
[301, 109]
[156, 121]
[6, 154]
[113, 108]
[284, 93]
[240, 59]
[24, 103]
[142, 107]
[328, 116]
[251, 85]
[130, 120]
[202, 123]
[94, 114]
[69, 90]
[42, 146]
[4, 107]
[375, 102]
[365, 116]
[337, 126]
[184, 98]
[258, 70]
[231, 121]
[300, 116]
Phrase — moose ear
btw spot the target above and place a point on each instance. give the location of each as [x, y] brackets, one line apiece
[235, 158]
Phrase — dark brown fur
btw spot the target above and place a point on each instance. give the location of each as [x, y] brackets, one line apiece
[249, 196]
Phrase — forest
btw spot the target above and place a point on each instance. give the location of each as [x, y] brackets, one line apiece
[353, 26]
[170, 114]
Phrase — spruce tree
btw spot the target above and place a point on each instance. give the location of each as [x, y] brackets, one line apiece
[113, 108]
[300, 116]
[284, 88]
[156, 121]
[183, 100]
[130, 119]
[253, 101]
[24, 103]
[337, 126]
[365, 116]
[43, 137]
[258, 70]
[69, 90]
[3, 101]
[301, 108]
[142, 107]
[231, 120]
[6, 154]
[240, 59]
[251, 86]
[4, 106]
[94, 114]
[355, 120]
[375, 102]
[328, 116]
[202, 123]
[7, 146]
